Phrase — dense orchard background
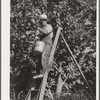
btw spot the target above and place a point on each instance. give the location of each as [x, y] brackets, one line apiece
[78, 19]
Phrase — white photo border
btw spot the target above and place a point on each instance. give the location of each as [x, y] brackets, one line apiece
[5, 50]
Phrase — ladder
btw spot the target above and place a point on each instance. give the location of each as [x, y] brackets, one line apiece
[34, 90]
[41, 91]
[44, 81]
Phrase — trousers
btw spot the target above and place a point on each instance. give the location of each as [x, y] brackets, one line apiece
[43, 60]
[45, 56]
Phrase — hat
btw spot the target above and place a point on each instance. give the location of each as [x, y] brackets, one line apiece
[43, 16]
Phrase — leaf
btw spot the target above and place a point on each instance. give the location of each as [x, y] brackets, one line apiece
[87, 22]
[88, 49]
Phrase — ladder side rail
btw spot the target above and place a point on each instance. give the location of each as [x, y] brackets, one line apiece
[28, 95]
[49, 62]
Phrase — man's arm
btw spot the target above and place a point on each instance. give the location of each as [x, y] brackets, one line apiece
[42, 30]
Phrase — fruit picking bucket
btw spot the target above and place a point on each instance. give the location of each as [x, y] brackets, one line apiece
[39, 47]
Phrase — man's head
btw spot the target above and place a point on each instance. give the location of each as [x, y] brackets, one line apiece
[43, 19]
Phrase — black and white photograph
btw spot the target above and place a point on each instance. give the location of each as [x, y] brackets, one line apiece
[53, 50]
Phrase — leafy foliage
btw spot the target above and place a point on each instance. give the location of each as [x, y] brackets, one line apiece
[78, 19]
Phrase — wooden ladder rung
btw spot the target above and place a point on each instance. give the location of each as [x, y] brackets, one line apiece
[35, 90]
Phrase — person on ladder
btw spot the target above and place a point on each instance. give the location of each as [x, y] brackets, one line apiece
[46, 35]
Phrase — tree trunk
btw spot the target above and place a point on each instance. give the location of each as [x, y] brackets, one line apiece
[59, 84]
